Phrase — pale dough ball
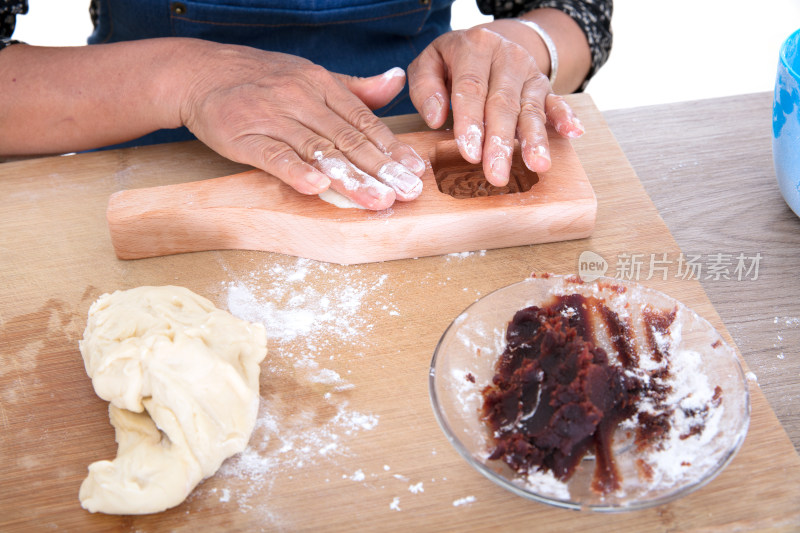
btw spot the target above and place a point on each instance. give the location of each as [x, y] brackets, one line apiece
[182, 379]
[339, 200]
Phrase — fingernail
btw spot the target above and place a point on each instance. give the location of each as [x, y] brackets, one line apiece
[432, 108]
[379, 192]
[317, 180]
[399, 178]
[500, 170]
[540, 161]
[472, 142]
[394, 72]
[577, 128]
[414, 163]
[536, 158]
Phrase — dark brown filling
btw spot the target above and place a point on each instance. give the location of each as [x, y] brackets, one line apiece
[555, 396]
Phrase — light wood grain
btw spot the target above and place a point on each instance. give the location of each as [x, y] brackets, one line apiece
[254, 211]
[57, 258]
[708, 168]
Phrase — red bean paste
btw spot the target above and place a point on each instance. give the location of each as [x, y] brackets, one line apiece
[555, 396]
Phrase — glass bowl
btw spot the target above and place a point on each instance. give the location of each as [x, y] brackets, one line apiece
[705, 377]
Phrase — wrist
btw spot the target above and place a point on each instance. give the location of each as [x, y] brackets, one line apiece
[574, 55]
[552, 51]
[522, 35]
[177, 64]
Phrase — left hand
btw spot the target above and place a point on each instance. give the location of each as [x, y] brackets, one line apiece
[498, 93]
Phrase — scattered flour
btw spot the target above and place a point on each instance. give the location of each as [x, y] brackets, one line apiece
[307, 328]
[226, 494]
[466, 500]
[683, 453]
[786, 322]
[303, 322]
[464, 255]
[395, 505]
[545, 483]
[357, 476]
[416, 488]
[277, 449]
[459, 255]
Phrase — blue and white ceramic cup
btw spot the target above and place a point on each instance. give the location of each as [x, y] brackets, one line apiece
[786, 122]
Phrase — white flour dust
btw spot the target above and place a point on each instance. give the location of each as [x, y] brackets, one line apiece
[786, 324]
[308, 327]
[464, 255]
[319, 317]
[466, 500]
[282, 298]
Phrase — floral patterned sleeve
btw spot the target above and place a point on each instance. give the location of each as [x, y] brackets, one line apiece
[9, 9]
[593, 16]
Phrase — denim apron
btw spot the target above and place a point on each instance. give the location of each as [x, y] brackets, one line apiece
[356, 37]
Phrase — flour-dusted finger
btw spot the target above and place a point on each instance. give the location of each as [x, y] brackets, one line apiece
[427, 87]
[283, 162]
[354, 146]
[531, 128]
[346, 178]
[470, 67]
[352, 182]
[511, 67]
[352, 125]
[562, 118]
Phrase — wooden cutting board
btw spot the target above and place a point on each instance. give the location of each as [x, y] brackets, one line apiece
[456, 212]
[362, 452]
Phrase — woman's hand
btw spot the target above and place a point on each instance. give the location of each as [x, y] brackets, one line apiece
[309, 127]
[497, 92]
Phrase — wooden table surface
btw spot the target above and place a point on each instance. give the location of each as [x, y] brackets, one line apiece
[707, 166]
[346, 437]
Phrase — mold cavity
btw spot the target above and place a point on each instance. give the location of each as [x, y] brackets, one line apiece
[462, 179]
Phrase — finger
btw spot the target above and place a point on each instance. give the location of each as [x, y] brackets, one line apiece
[375, 91]
[280, 160]
[561, 116]
[355, 147]
[310, 164]
[366, 142]
[353, 128]
[508, 77]
[470, 85]
[531, 128]
[345, 176]
[351, 182]
[427, 87]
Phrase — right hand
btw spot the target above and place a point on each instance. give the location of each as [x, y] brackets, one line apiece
[497, 92]
[295, 120]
